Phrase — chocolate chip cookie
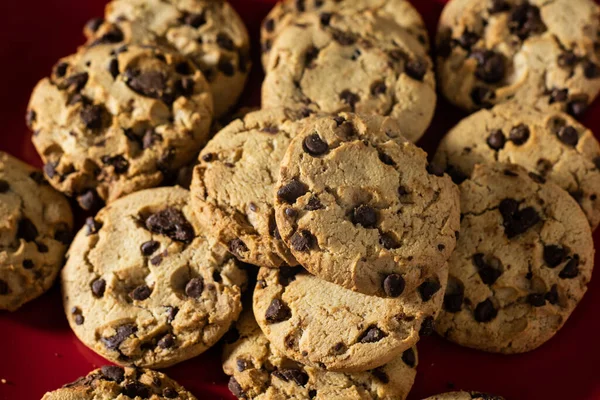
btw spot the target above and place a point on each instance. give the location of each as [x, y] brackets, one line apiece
[259, 372]
[359, 62]
[286, 12]
[534, 52]
[36, 229]
[111, 382]
[232, 187]
[359, 206]
[550, 144]
[465, 396]
[113, 119]
[143, 287]
[211, 33]
[323, 325]
[523, 262]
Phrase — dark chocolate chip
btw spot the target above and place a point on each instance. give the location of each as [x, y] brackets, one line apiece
[371, 335]
[380, 375]
[136, 389]
[172, 223]
[27, 230]
[467, 40]
[364, 215]
[297, 376]
[453, 299]
[393, 285]
[577, 107]
[302, 241]
[490, 66]
[343, 38]
[236, 388]
[325, 18]
[194, 287]
[428, 289]
[113, 67]
[91, 116]
[387, 160]
[485, 311]
[388, 241]
[525, 20]
[269, 25]
[113, 35]
[568, 135]
[94, 24]
[237, 247]
[290, 212]
[571, 269]
[184, 68]
[301, 5]
[516, 221]
[28, 264]
[118, 162]
[558, 95]
[591, 70]
[113, 373]
[311, 54]
[409, 358]
[122, 333]
[225, 42]
[98, 287]
[63, 234]
[166, 342]
[150, 137]
[314, 145]
[4, 289]
[519, 134]
[92, 226]
[75, 82]
[499, 6]
[416, 69]
[194, 20]
[427, 327]
[146, 83]
[50, 169]
[242, 364]
[378, 87]
[89, 200]
[140, 293]
[568, 59]
[552, 295]
[496, 140]
[488, 273]
[313, 204]
[171, 313]
[277, 311]
[536, 299]
[349, 98]
[156, 260]
[170, 393]
[60, 69]
[291, 191]
[482, 96]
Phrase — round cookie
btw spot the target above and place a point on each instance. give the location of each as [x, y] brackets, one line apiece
[358, 206]
[260, 372]
[210, 33]
[465, 396]
[35, 231]
[111, 382]
[232, 187]
[360, 62]
[115, 119]
[143, 287]
[534, 52]
[550, 144]
[322, 325]
[286, 12]
[522, 263]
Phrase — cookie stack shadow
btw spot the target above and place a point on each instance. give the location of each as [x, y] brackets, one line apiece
[316, 240]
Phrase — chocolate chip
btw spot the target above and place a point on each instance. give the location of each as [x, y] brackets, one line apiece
[311, 54]
[302, 241]
[313, 204]
[364, 215]
[27, 230]
[409, 358]
[194, 287]
[297, 376]
[226, 67]
[208, 157]
[237, 247]
[63, 234]
[485, 311]
[166, 342]
[349, 98]
[184, 68]
[113, 67]
[490, 66]
[28, 264]
[242, 364]
[402, 191]
[89, 200]
[146, 83]
[388, 241]
[325, 18]
[371, 335]
[171, 223]
[92, 226]
[314, 145]
[118, 162]
[567, 59]
[577, 107]
[380, 375]
[113, 373]
[525, 20]
[184, 87]
[291, 191]
[571, 270]
[467, 40]
[416, 69]
[113, 35]
[94, 24]
[75, 82]
[269, 25]
[150, 137]
[519, 134]
[194, 20]
[277, 311]
[98, 287]
[225, 42]
[496, 140]
[91, 116]
[136, 389]
[536, 299]
[122, 333]
[554, 255]
[378, 87]
[453, 299]
[4, 289]
[591, 70]
[428, 289]
[568, 135]
[140, 293]
[343, 38]
[393, 285]
[558, 95]
[436, 170]
[499, 6]
[517, 221]
[482, 96]
[427, 327]
[171, 313]
[488, 273]
[387, 160]
[300, 5]
[457, 175]
[170, 393]
[552, 295]
[236, 388]
[60, 69]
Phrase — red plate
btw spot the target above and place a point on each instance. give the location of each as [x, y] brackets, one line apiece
[39, 353]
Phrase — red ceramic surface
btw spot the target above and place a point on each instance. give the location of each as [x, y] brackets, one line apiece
[38, 352]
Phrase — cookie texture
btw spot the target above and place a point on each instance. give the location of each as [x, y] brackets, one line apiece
[363, 63]
[521, 266]
[143, 287]
[232, 189]
[322, 325]
[550, 144]
[115, 119]
[359, 206]
[210, 33]
[533, 52]
[112, 382]
[35, 231]
[259, 371]
[465, 396]
[287, 12]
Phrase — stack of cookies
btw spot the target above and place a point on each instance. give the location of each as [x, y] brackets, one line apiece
[355, 245]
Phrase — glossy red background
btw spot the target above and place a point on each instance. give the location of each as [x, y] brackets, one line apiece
[38, 352]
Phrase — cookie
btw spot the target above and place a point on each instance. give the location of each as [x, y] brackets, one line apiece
[358, 206]
[465, 396]
[259, 371]
[286, 12]
[550, 144]
[36, 229]
[523, 262]
[360, 62]
[210, 33]
[111, 382]
[534, 52]
[115, 119]
[322, 325]
[143, 287]
[232, 187]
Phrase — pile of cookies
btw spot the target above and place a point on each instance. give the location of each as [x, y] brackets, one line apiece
[316, 239]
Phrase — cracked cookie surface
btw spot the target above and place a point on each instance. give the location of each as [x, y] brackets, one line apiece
[210, 33]
[522, 263]
[550, 144]
[465, 396]
[362, 63]
[232, 187]
[358, 205]
[533, 52]
[323, 325]
[115, 119]
[259, 371]
[143, 287]
[35, 232]
[112, 382]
